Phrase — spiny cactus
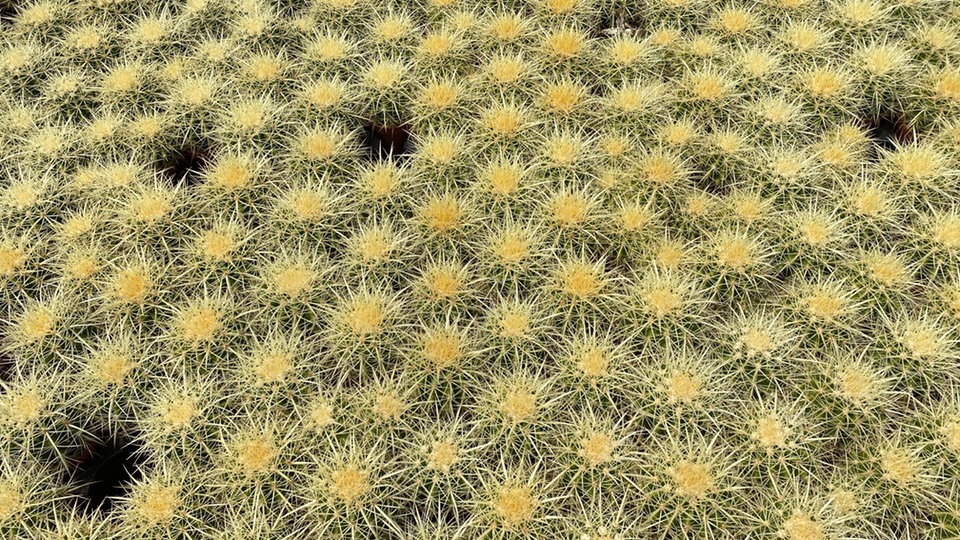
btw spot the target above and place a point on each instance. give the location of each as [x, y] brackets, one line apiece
[591, 269]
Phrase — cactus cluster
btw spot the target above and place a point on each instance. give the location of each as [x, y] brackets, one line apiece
[423, 269]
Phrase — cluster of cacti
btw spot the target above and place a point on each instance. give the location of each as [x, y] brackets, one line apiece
[587, 269]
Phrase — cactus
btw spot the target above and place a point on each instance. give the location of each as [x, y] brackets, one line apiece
[593, 269]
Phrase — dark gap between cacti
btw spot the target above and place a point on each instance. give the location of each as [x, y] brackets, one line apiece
[618, 22]
[886, 131]
[104, 469]
[8, 10]
[6, 366]
[185, 165]
[382, 142]
[708, 184]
